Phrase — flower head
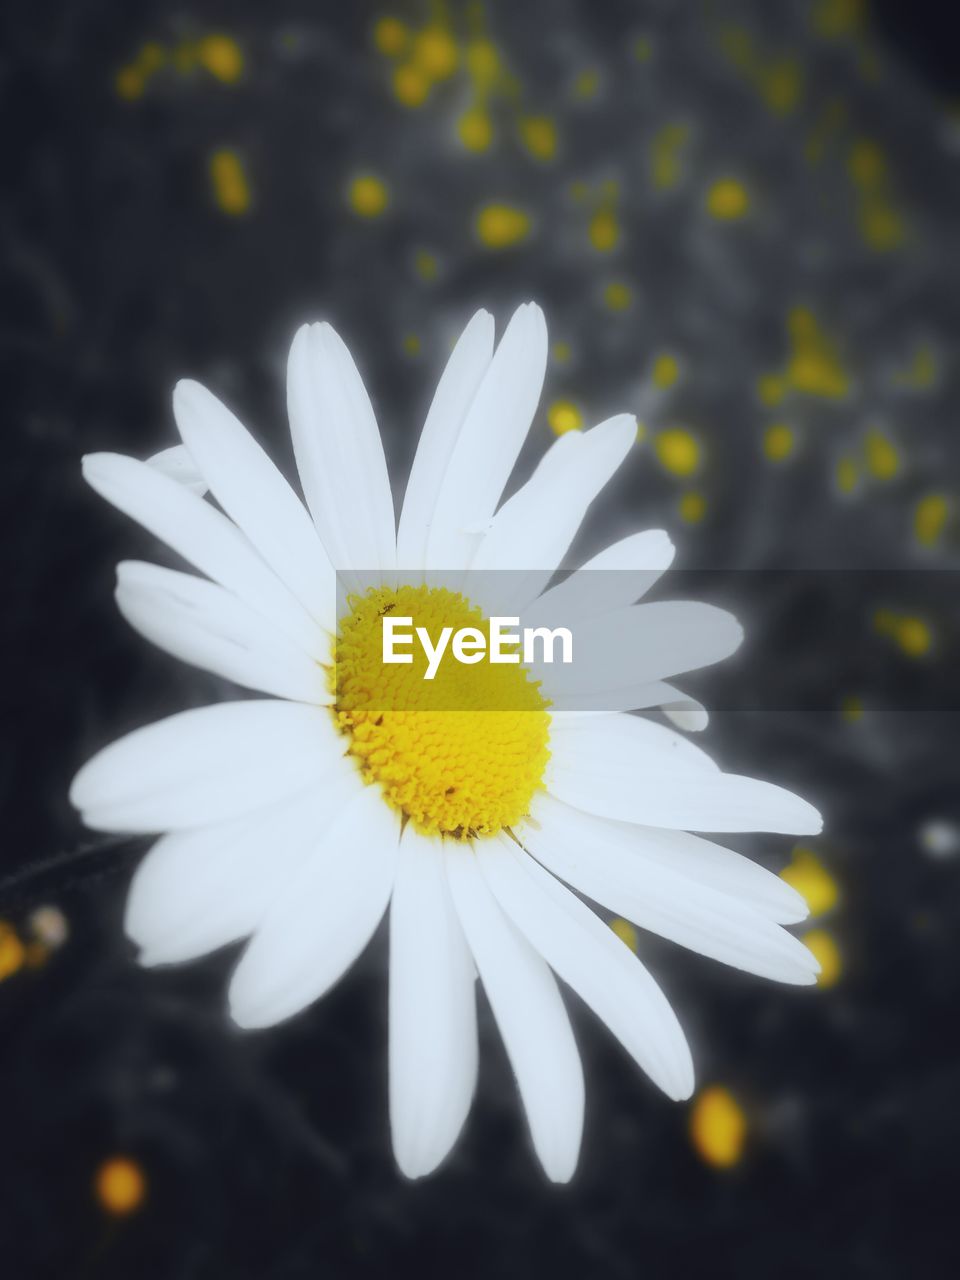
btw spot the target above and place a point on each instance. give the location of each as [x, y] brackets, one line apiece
[295, 820]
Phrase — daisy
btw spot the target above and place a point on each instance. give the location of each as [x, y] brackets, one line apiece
[295, 821]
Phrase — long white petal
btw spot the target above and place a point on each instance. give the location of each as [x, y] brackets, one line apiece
[619, 576]
[696, 859]
[176, 463]
[621, 652]
[579, 849]
[252, 491]
[205, 625]
[648, 775]
[201, 889]
[455, 391]
[318, 926]
[590, 957]
[489, 442]
[533, 530]
[530, 1014]
[202, 535]
[339, 452]
[207, 765]
[433, 1011]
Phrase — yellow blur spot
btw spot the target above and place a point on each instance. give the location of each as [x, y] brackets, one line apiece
[120, 1185]
[435, 52]
[390, 36]
[666, 371]
[814, 366]
[727, 200]
[780, 85]
[883, 460]
[475, 129]
[411, 87]
[678, 451]
[483, 63]
[827, 954]
[12, 952]
[411, 344]
[866, 164]
[368, 195]
[930, 519]
[835, 19]
[625, 932]
[643, 49]
[222, 57]
[499, 226]
[130, 83]
[771, 388]
[778, 442]
[718, 1127]
[847, 475]
[586, 84]
[692, 507]
[564, 416]
[604, 230]
[617, 296]
[665, 155]
[561, 352]
[851, 708]
[230, 188]
[921, 373]
[807, 874]
[425, 264]
[881, 225]
[914, 637]
[539, 135]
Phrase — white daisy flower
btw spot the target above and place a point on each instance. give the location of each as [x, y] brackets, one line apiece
[296, 820]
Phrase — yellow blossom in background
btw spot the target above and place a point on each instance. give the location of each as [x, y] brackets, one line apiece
[11, 951]
[390, 36]
[564, 416]
[222, 57]
[120, 1186]
[718, 1127]
[692, 507]
[677, 451]
[499, 226]
[230, 188]
[778, 442]
[930, 518]
[825, 949]
[368, 195]
[625, 932]
[727, 200]
[475, 129]
[811, 879]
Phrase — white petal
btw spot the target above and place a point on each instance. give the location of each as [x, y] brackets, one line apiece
[433, 1011]
[207, 765]
[619, 576]
[176, 463]
[533, 530]
[621, 652]
[590, 957]
[648, 775]
[202, 535]
[208, 627]
[201, 889]
[455, 391]
[683, 854]
[685, 712]
[490, 439]
[530, 1014]
[253, 492]
[578, 849]
[326, 915]
[339, 452]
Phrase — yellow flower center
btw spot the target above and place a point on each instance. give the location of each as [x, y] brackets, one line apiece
[460, 755]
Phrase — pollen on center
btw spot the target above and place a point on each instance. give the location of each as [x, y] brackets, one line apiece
[461, 755]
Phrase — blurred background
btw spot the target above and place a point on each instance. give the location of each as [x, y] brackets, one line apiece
[741, 220]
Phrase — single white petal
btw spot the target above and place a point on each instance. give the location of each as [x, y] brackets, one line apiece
[692, 857]
[530, 1014]
[339, 452]
[618, 653]
[177, 463]
[619, 576]
[202, 535]
[576, 848]
[489, 442]
[589, 956]
[207, 765]
[252, 491]
[433, 1011]
[533, 530]
[605, 767]
[201, 889]
[318, 926]
[455, 391]
[205, 625]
